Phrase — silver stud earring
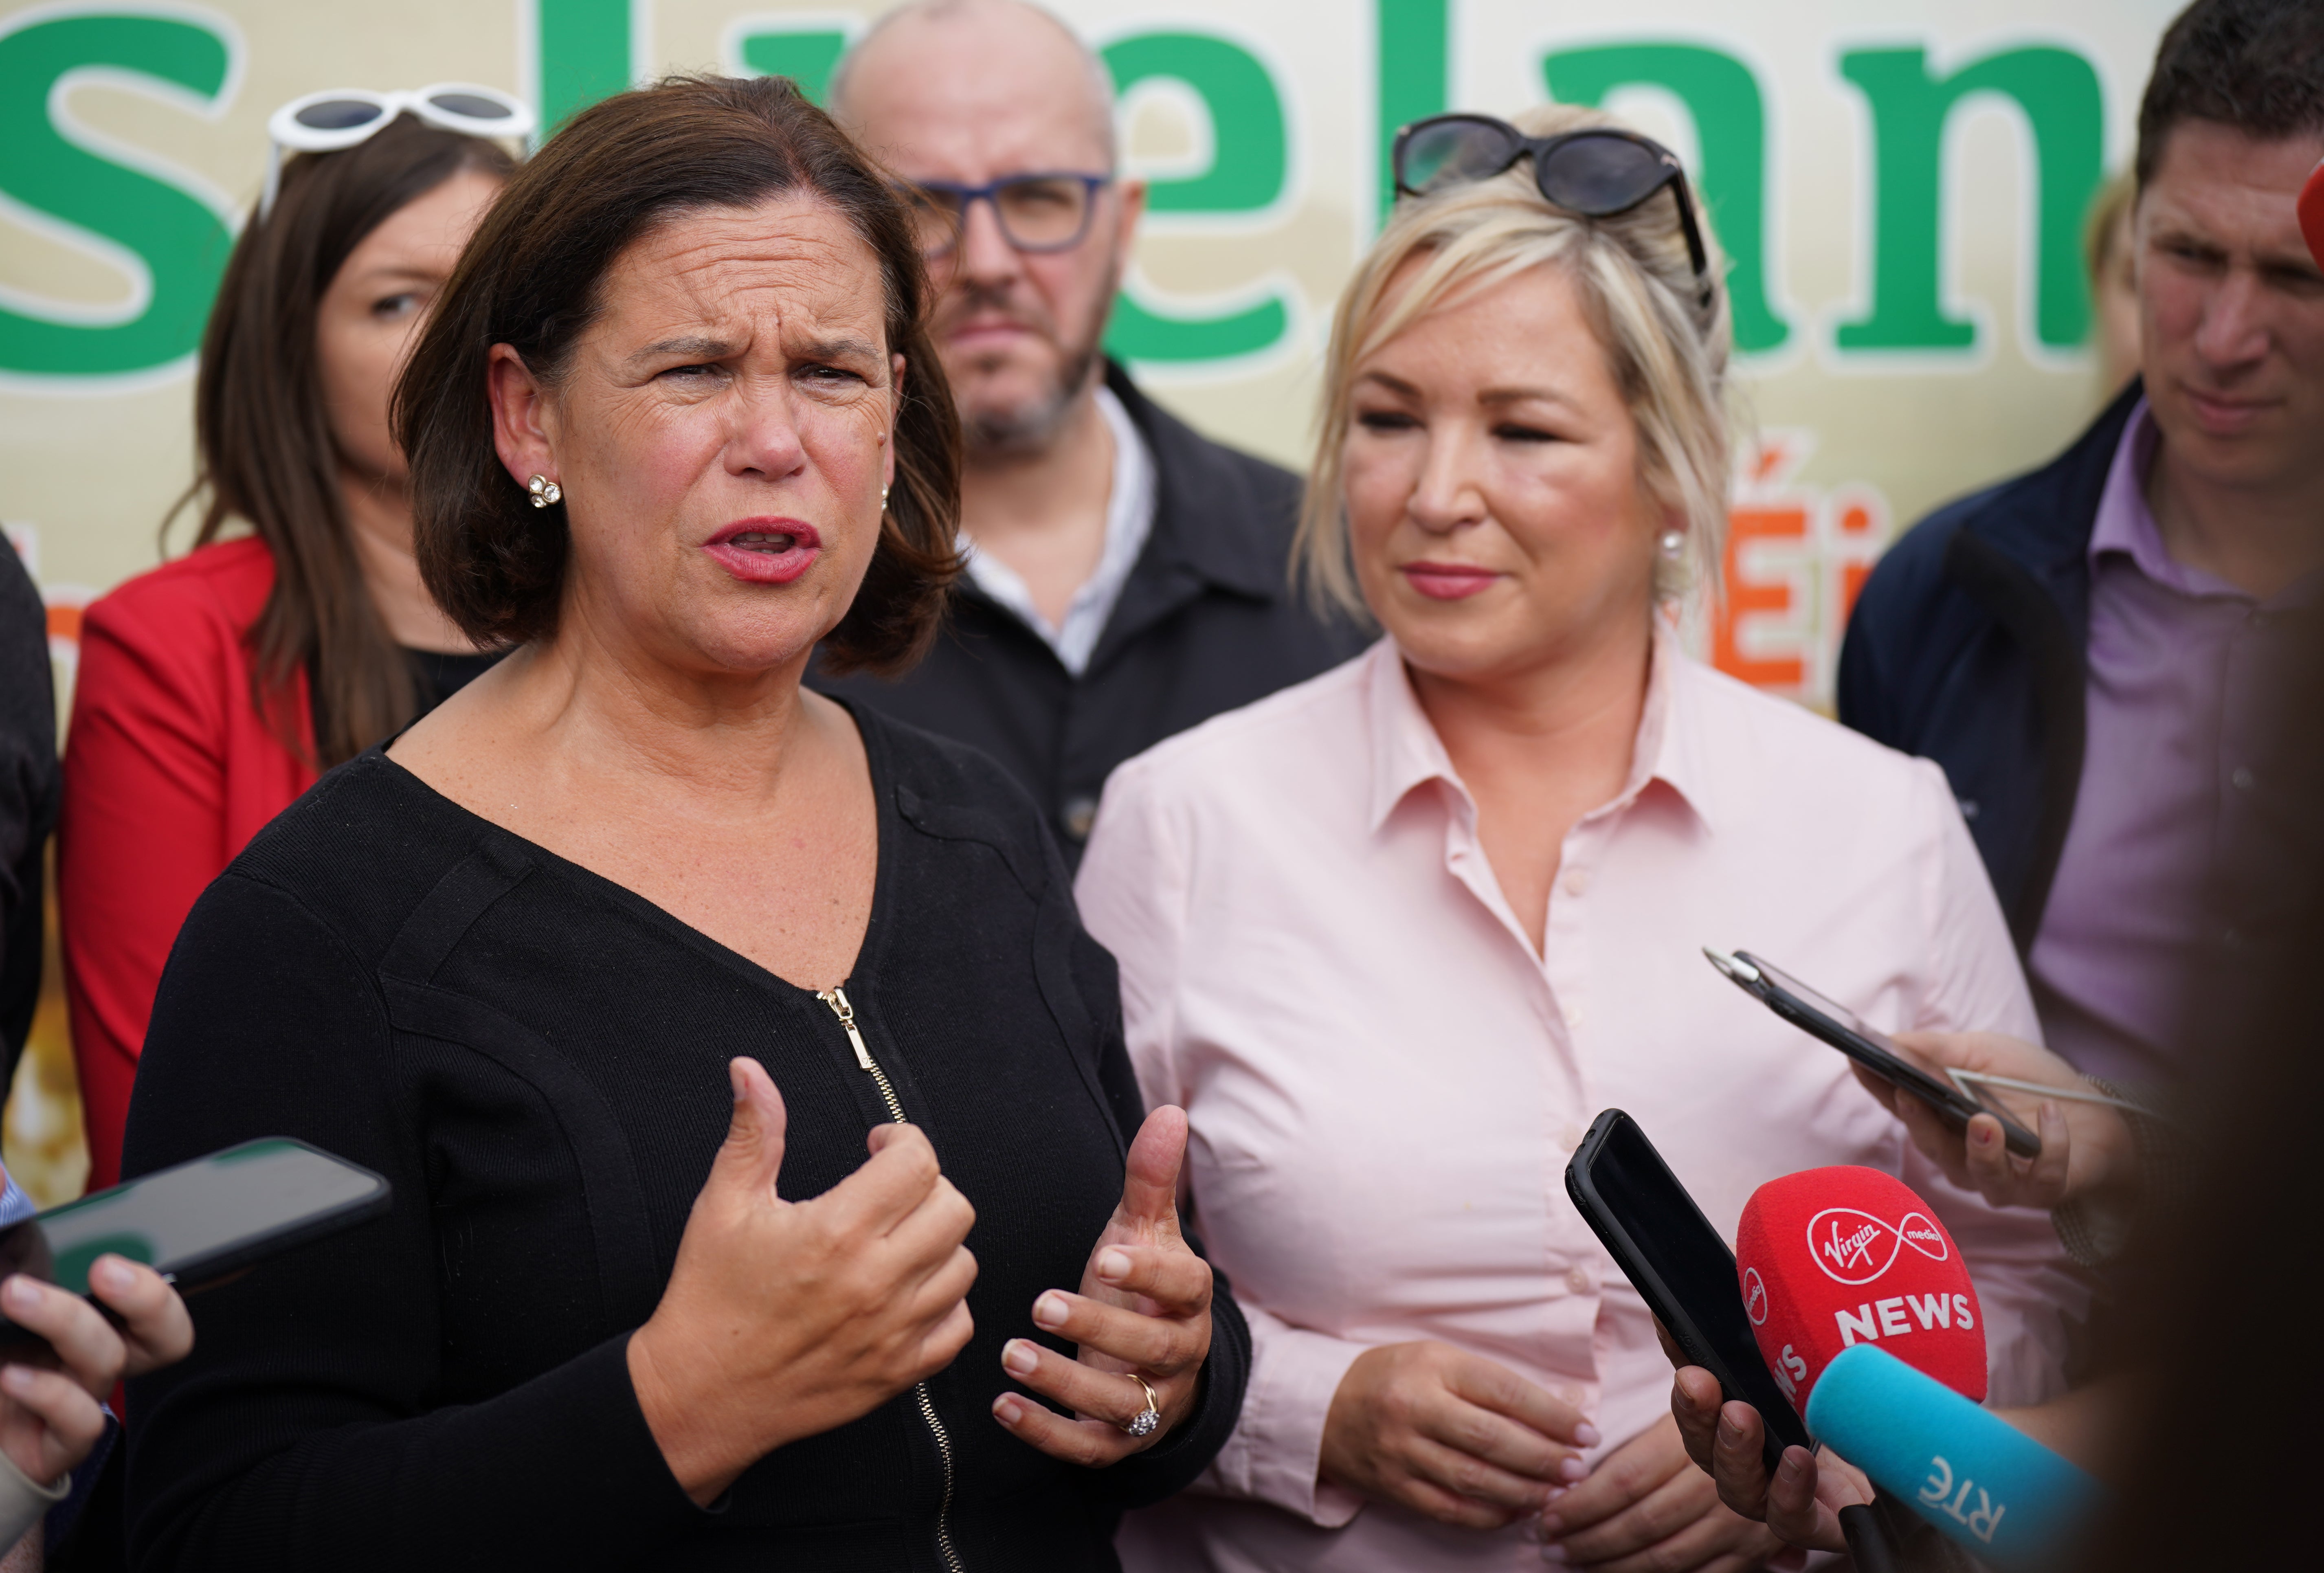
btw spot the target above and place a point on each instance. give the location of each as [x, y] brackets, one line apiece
[544, 490]
[1672, 543]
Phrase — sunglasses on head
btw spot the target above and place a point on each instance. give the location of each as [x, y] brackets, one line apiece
[340, 117]
[1596, 172]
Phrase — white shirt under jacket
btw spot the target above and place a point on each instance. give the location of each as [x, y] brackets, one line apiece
[1385, 1081]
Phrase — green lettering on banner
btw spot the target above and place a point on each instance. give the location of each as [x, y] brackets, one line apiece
[1730, 123]
[584, 55]
[179, 243]
[1414, 75]
[1249, 162]
[807, 57]
[2058, 93]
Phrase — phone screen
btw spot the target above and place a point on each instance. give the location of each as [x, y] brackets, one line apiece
[1678, 1263]
[208, 1215]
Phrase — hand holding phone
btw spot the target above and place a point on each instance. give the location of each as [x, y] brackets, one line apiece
[1679, 1265]
[49, 1414]
[193, 1224]
[1840, 1027]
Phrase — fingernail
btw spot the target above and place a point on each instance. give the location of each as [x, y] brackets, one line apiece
[1007, 1410]
[1982, 1135]
[1573, 1469]
[1585, 1435]
[1790, 1467]
[1553, 1552]
[1017, 1359]
[1049, 1311]
[734, 1080]
[112, 1273]
[1729, 1431]
[17, 1379]
[1113, 1266]
[20, 1293]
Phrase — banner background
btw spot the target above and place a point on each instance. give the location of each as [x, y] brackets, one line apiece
[1902, 186]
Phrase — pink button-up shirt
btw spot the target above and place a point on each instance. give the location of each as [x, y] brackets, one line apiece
[1385, 1081]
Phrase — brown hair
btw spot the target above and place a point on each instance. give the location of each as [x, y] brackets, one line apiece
[532, 280]
[2256, 66]
[265, 453]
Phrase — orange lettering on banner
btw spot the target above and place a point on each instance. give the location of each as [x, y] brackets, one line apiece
[1796, 558]
[1746, 597]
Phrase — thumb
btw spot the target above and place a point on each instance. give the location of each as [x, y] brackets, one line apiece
[1149, 1180]
[752, 1153]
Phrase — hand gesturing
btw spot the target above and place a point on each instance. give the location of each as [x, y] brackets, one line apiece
[1144, 1307]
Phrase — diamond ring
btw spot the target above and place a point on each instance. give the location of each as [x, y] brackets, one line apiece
[1146, 1421]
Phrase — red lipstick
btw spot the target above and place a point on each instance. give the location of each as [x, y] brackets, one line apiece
[1448, 581]
[766, 551]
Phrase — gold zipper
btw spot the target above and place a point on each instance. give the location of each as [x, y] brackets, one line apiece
[836, 999]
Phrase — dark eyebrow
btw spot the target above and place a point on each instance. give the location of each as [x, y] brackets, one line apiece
[694, 348]
[839, 349]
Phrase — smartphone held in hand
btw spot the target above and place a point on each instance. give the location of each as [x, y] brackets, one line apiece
[196, 1222]
[1840, 1027]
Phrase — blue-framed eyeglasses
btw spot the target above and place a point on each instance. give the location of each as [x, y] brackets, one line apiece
[1047, 212]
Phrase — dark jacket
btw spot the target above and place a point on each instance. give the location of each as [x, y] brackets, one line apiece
[28, 786]
[535, 1058]
[1967, 647]
[1206, 622]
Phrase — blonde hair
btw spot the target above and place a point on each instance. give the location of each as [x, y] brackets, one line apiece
[1666, 349]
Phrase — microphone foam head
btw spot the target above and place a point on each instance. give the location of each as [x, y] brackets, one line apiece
[1830, 1258]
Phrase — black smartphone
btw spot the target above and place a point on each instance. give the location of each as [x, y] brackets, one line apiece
[1840, 1027]
[200, 1221]
[1679, 1265]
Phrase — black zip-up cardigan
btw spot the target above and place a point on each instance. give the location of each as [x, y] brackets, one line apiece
[535, 1057]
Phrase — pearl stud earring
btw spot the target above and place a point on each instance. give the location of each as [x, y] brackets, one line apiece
[1672, 543]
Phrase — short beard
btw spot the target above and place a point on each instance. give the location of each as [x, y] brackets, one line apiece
[995, 436]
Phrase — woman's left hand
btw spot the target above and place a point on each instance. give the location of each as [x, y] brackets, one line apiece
[49, 1418]
[1144, 1306]
[1645, 1506]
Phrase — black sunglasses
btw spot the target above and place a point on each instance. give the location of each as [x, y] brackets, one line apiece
[1596, 173]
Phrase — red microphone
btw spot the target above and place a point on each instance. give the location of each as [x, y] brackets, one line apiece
[1834, 1258]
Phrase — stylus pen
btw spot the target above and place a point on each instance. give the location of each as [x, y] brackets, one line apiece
[1969, 1080]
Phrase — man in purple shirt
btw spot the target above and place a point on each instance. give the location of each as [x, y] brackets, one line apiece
[2085, 649]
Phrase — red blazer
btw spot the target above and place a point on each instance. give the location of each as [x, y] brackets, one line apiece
[169, 770]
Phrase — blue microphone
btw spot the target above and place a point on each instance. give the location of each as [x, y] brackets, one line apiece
[2006, 1497]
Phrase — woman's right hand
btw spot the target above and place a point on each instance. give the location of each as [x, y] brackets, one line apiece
[1452, 1435]
[785, 1320]
[2088, 1152]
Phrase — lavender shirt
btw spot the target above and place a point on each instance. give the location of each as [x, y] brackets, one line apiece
[2178, 712]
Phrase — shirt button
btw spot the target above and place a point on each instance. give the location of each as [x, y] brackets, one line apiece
[1078, 815]
[1578, 1280]
[1573, 1016]
[1577, 883]
[2243, 778]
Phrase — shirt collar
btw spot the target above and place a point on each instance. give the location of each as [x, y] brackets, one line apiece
[1407, 752]
[2125, 529]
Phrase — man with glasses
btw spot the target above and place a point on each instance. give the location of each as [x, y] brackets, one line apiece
[1127, 577]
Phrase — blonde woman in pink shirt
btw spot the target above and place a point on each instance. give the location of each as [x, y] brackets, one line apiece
[1393, 937]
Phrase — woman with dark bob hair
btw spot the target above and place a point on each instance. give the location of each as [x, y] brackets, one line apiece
[545, 960]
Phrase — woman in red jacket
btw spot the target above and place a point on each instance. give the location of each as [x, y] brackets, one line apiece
[214, 688]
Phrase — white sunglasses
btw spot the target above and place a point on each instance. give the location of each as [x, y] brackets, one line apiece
[340, 117]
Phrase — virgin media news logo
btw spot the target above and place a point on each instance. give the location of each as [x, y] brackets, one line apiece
[1853, 1247]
